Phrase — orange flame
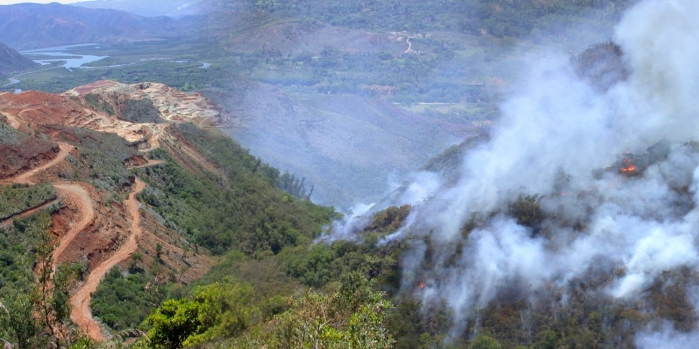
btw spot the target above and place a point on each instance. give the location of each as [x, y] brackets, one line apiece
[421, 285]
[628, 169]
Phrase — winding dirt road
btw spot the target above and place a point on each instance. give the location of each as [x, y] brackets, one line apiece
[75, 192]
[81, 313]
[79, 195]
[24, 178]
[410, 46]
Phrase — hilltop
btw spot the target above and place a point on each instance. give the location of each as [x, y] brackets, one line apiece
[132, 177]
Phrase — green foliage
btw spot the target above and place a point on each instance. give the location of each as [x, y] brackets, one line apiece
[388, 220]
[317, 265]
[31, 304]
[500, 18]
[17, 244]
[294, 186]
[484, 342]
[164, 71]
[141, 110]
[95, 102]
[9, 135]
[17, 319]
[102, 156]
[123, 302]
[349, 317]
[217, 310]
[527, 211]
[243, 212]
[547, 339]
[18, 198]
[520, 18]
[172, 323]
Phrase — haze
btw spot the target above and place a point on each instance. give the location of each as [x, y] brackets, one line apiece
[10, 2]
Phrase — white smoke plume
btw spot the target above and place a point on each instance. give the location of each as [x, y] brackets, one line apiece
[420, 187]
[558, 126]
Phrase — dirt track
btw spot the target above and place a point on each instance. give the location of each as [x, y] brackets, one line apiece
[12, 120]
[24, 178]
[81, 313]
[79, 195]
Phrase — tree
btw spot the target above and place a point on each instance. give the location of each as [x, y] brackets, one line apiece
[17, 320]
[172, 323]
[350, 317]
[43, 307]
[484, 342]
[217, 310]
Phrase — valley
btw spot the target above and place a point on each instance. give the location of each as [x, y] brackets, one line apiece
[349, 174]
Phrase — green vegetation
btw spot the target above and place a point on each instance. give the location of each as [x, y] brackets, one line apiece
[221, 309]
[8, 135]
[24, 235]
[123, 302]
[244, 212]
[500, 18]
[274, 287]
[388, 220]
[462, 50]
[93, 101]
[141, 110]
[18, 198]
[484, 342]
[34, 309]
[350, 316]
[101, 161]
[167, 72]
[527, 210]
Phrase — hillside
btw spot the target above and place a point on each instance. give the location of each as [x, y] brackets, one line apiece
[346, 146]
[543, 181]
[12, 61]
[116, 176]
[151, 8]
[28, 26]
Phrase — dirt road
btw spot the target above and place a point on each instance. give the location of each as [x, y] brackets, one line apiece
[25, 178]
[81, 313]
[12, 120]
[79, 195]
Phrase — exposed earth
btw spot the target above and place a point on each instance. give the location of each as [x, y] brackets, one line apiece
[87, 228]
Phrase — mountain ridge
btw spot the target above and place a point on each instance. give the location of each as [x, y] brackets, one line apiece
[29, 26]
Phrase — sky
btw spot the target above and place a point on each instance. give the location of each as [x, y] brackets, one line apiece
[9, 2]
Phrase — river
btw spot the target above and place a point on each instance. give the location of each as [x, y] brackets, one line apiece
[60, 54]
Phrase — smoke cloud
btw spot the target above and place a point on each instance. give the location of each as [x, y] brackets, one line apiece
[557, 138]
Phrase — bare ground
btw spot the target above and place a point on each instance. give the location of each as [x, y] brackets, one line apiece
[25, 178]
[80, 302]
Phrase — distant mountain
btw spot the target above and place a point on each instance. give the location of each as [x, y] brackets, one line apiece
[11, 61]
[26, 26]
[152, 8]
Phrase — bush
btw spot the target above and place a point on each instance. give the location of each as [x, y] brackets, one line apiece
[484, 342]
